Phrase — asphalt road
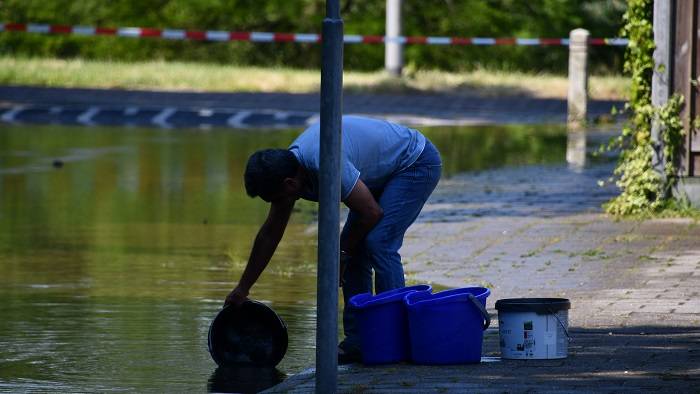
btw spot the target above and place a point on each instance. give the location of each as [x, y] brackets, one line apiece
[36, 105]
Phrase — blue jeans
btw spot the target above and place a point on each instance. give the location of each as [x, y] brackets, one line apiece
[401, 199]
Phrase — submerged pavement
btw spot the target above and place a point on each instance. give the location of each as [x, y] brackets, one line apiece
[37, 105]
[539, 232]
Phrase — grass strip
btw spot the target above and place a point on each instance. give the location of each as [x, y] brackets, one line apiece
[180, 76]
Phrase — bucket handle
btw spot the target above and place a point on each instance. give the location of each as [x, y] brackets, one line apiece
[480, 307]
[556, 316]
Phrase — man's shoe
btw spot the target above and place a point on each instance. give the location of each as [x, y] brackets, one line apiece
[348, 356]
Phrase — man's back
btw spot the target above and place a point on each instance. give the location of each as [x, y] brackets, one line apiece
[372, 150]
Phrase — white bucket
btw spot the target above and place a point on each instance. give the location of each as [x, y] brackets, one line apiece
[533, 328]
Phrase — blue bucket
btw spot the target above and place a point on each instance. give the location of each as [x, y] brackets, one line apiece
[447, 327]
[382, 324]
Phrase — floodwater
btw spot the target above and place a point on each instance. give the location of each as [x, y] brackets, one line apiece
[118, 246]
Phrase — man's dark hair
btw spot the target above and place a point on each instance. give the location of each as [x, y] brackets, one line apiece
[266, 171]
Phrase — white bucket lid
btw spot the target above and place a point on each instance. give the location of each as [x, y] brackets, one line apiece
[537, 305]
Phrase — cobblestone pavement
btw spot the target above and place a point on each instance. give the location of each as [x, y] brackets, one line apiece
[246, 110]
[538, 232]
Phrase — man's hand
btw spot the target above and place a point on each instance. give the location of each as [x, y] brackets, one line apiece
[236, 297]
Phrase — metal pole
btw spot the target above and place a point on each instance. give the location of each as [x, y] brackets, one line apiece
[329, 201]
[333, 10]
[393, 49]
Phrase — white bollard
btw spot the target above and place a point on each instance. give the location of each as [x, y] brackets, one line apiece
[578, 78]
[393, 49]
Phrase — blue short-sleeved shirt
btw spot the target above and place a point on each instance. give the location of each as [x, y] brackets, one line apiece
[372, 150]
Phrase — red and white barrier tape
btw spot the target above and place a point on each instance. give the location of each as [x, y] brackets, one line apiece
[220, 35]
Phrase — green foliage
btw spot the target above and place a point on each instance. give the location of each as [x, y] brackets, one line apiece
[643, 189]
[640, 185]
[672, 137]
[475, 18]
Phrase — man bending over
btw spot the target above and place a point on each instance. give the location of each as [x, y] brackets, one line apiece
[388, 171]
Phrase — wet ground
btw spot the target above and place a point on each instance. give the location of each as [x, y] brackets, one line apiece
[117, 248]
[530, 191]
[118, 245]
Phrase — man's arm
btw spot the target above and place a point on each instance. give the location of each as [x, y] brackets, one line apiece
[266, 242]
[362, 202]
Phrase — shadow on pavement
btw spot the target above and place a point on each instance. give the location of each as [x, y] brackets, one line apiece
[630, 359]
[607, 359]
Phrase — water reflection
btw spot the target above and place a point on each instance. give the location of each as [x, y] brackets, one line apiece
[576, 149]
[113, 265]
[243, 379]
